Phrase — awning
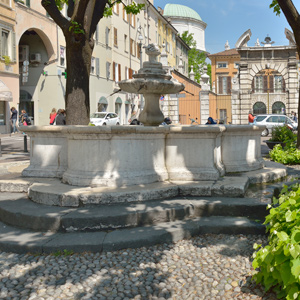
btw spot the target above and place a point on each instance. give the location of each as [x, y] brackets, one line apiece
[103, 100]
[127, 102]
[119, 100]
[5, 93]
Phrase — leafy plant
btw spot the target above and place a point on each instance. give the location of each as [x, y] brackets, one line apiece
[76, 28]
[7, 60]
[65, 252]
[278, 263]
[282, 134]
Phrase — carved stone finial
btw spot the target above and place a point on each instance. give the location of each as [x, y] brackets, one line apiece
[153, 51]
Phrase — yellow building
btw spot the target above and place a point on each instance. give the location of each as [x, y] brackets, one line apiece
[224, 66]
[9, 71]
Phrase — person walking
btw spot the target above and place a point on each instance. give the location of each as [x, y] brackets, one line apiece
[294, 117]
[14, 118]
[53, 114]
[60, 118]
[250, 118]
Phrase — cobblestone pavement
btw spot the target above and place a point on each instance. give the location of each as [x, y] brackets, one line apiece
[205, 267]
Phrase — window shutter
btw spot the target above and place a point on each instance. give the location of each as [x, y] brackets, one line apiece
[114, 71]
[118, 8]
[265, 84]
[130, 73]
[119, 67]
[124, 13]
[283, 85]
[0, 42]
[97, 33]
[271, 84]
[106, 35]
[220, 85]
[228, 85]
[97, 66]
[14, 53]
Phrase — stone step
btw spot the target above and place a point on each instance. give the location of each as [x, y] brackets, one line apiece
[17, 240]
[17, 210]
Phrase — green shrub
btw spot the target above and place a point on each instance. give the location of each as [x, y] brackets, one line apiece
[278, 263]
[282, 134]
[290, 155]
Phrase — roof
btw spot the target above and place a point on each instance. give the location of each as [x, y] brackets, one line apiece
[178, 10]
[229, 52]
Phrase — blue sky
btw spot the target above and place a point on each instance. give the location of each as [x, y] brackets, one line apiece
[229, 19]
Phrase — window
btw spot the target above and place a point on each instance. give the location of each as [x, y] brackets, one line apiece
[139, 49]
[259, 108]
[108, 70]
[107, 32]
[236, 65]
[224, 85]
[278, 107]
[4, 42]
[2, 113]
[270, 83]
[116, 72]
[93, 65]
[132, 20]
[223, 116]
[125, 43]
[126, 73]
[132, 47]
[115, 37]
[116, 8]
[6, 2]
[125, 15]
[221, 65]
[28, 3]
[62, 56]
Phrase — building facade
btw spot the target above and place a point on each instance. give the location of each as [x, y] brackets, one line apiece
[263, 78]
[33, 68]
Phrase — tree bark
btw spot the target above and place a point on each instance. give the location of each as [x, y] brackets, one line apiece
[77, 98]
[293, 18]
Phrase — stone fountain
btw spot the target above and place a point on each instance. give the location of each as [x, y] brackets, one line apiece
[157, 161]
[152, 81]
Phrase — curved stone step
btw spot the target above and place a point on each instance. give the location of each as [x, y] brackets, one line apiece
[17, 210]
[21, 241]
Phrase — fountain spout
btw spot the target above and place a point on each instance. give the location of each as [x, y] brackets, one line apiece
[152, 81]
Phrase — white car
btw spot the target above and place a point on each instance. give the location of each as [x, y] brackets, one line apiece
[274, 120]
[104, 118]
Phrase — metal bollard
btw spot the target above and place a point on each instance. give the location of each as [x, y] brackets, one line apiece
[25, 143]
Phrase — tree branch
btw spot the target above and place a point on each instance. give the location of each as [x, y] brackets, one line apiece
[97, 15]
[70, 8]
[55, 14]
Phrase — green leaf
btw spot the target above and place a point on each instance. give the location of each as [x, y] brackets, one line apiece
[290, 216]
[296, 267]
[295, 238]
[285, 271]
[282, 236]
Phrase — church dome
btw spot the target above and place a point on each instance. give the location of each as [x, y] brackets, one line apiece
[178, 10]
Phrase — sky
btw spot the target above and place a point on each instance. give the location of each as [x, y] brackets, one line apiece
[229, 19]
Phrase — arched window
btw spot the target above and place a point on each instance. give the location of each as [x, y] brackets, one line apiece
[278, 108]
[102, 104]
[259, 108]
[118, 105]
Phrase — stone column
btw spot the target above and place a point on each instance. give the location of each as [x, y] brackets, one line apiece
[235, 101]
[204, 96]
[292, 87]
[245, 93]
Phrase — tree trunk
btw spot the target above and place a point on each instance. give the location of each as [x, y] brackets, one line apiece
[78, 54]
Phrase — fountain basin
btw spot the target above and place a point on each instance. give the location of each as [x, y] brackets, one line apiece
[119, 156]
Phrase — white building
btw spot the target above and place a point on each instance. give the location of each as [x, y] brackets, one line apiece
[184, 19]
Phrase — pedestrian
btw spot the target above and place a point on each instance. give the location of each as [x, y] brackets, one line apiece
[24, 118]
[210, 121]
[294, 117]
[14, 118]
[250, 118]
[60, 117]
[52, 116]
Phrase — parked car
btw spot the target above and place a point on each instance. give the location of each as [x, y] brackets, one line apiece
[274, 120]
[104, 118]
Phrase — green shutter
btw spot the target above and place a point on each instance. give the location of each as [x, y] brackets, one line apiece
[13, 43]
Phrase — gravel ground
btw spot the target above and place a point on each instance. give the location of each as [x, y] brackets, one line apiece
[206, 267]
